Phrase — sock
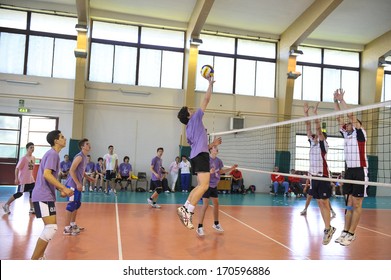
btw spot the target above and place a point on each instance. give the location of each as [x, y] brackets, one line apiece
[190, 208]
[73, 224]
[216, 223]
[200, 225]
[186, 204]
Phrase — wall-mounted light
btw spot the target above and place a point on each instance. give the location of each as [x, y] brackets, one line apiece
[80, 53]
[81, 27]
[294, 75]
[195, 41]
[383, 62]
[295, 52]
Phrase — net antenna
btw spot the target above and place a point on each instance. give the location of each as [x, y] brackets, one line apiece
[258, 149]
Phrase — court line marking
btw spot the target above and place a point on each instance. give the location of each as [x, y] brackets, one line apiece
[375, 231]
[264, 235]
[120, 256]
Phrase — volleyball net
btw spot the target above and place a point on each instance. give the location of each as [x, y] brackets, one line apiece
[285, 144]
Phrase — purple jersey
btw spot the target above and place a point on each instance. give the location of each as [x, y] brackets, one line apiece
[217, 164]
[125, 169]
[157, 163]
[79, 171]
[196, 134]
[43, 191]
[90, 167]
[65, 165]
[99, 168]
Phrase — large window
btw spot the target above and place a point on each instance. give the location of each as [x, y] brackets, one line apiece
[245, 67]
[386, 91]
[335, 153]
[136, 55]
[47, 41]
[325, 70]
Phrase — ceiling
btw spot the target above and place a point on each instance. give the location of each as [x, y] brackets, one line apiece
[353, 23]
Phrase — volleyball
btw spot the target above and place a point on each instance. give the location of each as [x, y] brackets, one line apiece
[207, 71]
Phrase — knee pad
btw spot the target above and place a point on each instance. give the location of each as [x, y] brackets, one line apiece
[17, 195]
[159, 190]
[72, 206]
[48, 232]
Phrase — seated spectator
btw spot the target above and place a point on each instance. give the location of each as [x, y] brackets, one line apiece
[90, 172]
[337, 185]
[124, 174]
[65, 165]
[279, 180]
[295, 184]
[237, 181]
[99, 174]
[165, 186]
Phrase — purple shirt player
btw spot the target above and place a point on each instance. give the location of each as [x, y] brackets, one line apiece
[43, 191]
[217, 164]
[196, 134]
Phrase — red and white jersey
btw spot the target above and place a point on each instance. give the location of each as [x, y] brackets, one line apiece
[355, 147]
[318, 163]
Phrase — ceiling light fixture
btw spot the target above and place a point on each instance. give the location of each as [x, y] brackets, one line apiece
[293, 75]
[195, 41]
[81, 27]
[295, 52]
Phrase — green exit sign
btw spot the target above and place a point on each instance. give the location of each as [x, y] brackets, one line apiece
[23, 110]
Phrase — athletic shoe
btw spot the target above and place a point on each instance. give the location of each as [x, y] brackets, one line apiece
[218, 227]
[333, 214]
[77, 229]
[91, 189]
[328, 234]
[304, 212]
[6, 209]
[185, 217]
[156, 206]
[70, 231]
[200, 231]
[42, 258]
[349, 238]
[83, 189]
[341, 237]
[32, 211]
[150, 202]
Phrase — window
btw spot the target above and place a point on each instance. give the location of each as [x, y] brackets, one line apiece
[323, 71]
[335, 153]
[118, 56]
[245, 67]
[48, 40]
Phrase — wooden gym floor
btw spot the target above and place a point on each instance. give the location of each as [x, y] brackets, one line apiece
[257, 227]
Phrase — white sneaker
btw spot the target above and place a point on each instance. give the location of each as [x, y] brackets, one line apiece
[150, 202]
[333, 214]
[77, 229]
[91, 189]
[83, 189]
[200, 231]
[218, 227]
[328, 234]
[304, 212]
[68, 230]
[156, 205]
[185, 217]
[341, 237]
[348, 239]
[6, 209]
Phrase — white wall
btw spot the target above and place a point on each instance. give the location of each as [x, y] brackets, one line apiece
[135, 124]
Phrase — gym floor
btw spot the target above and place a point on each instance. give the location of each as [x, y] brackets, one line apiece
[257, 227]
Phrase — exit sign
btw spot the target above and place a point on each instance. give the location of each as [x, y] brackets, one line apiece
[23, 110]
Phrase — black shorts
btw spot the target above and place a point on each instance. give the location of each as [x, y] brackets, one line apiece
[359, 174]
[110, 174]
[200, 163]
[44, 208]
[156, 184]
[211, 192]
[320, 189]
[26, 187]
